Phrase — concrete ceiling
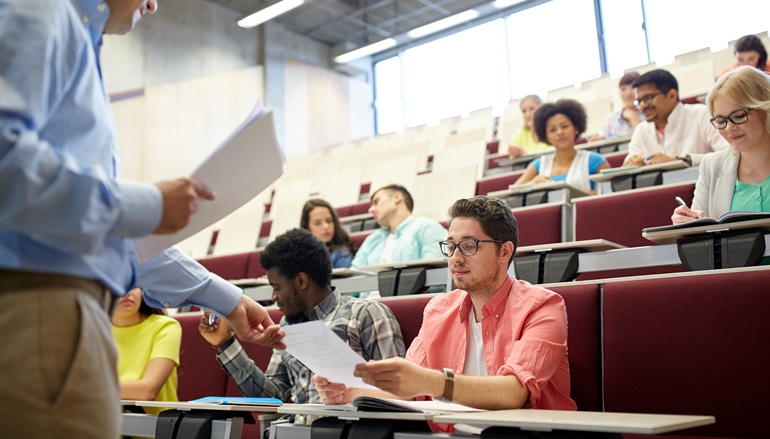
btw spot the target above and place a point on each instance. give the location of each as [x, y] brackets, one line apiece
[357, 22]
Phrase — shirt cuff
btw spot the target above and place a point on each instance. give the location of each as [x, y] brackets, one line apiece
[219, 295]
[141, 208]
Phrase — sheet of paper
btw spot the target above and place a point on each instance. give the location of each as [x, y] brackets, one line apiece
[237, 171]
[323, 352]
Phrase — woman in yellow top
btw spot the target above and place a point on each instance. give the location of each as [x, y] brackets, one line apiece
[148, 344]
[524, 140]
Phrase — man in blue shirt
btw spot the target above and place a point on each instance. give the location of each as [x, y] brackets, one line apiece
[66, 220]
[402, 237]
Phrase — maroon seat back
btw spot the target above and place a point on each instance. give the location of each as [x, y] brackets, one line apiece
[584, 344]
[620, 217]
[253, 267]
[227, 267]
[695, 345]
[200, 374]
[497, 183]
[408, 311]
[539, 224]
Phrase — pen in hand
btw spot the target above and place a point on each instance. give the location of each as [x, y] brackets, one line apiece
[681, 202]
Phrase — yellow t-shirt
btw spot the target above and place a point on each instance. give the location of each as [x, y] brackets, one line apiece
[158, 336]
[525, 139]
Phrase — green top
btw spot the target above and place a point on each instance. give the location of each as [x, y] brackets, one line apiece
[752, 197]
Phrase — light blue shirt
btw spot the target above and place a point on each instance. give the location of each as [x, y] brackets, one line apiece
[63, 208]
[416, 238]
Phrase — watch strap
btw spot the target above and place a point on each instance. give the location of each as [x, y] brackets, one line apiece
[449, 381]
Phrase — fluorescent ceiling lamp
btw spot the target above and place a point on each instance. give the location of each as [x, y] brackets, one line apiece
[269, 13]
[442, 24]
[365, 51]
[500, 4]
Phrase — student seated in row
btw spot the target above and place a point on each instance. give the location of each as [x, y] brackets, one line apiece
[737, 178]
[671, 130]
[524, 140]
[320, 218]
[402, 236]
[624, 121]
[749, 51]
[561, 124]
[299, 270]
[494, 343]
[148, 343]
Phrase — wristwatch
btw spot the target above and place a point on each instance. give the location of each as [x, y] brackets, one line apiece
[687, 159]
[449, 388]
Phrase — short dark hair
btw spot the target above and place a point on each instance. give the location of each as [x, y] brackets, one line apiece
[397, 188]
[571, 108]
[663, 80]
[628, 78]
[340, 239]
[146, 309]
[747, 43]
[493, 214]
[298, 251]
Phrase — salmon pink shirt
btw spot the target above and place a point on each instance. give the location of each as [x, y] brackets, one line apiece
[524, 328]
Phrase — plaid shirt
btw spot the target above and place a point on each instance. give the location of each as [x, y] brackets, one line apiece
[367, 326]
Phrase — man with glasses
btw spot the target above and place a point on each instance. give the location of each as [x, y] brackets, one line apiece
[494, 343]
[671, 130]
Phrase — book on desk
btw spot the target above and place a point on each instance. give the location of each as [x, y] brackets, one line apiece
[732, 216]
[236, 400]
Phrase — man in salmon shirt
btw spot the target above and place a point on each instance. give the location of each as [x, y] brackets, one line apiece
[494, 343]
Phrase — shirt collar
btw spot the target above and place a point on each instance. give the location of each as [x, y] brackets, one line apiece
[93, 14]
[495, 305]
[676, 113]
[326, 306]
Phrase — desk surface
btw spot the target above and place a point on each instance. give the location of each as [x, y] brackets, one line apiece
[606, 422]
[670, 236]
[436, 262]
[592, 245]
[320, 410]
[609, 174]
[514, 189]
[184, 405]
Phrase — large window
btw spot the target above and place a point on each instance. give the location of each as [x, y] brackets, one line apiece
[456, 74]
[548, 46]
[680, 26]
[553, 45]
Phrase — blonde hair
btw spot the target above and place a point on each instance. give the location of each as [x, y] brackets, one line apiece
[747, 87]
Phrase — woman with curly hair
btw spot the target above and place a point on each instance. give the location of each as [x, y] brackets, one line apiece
[560, 125]
[320, 218]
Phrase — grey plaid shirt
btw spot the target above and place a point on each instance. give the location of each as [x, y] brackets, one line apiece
[367, 326]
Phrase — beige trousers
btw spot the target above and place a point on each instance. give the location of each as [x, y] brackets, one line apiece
[58, 364]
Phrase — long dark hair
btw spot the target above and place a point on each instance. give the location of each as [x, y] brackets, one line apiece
[146, 309]
[340, 240]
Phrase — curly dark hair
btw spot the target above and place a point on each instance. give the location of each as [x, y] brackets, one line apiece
[340, 240]
[571, 108]
[493, 214]
[298, 251]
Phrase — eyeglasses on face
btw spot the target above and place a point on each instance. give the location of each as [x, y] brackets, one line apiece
[468, 247]
[646, 99]
[737, 117]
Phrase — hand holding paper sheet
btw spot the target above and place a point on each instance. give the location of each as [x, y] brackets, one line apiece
[323, 352]
[237, 171]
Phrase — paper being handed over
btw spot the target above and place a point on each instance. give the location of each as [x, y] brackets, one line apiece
[323, 352]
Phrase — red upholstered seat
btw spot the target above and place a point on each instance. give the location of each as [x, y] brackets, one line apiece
[497, 183]
[690, 345]
[199, 371]
[620, 217]
[408, 311]
[228, 267]
[264, 232]
[253, 267]
[583, 342]
[539, 224]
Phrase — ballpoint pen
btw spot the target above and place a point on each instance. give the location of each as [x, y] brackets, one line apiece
[680, 201]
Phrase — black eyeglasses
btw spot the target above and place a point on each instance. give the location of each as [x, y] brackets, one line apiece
[468, 247]
[646, 98]
[737, 117]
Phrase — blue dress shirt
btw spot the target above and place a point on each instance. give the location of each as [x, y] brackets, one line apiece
[63, 208]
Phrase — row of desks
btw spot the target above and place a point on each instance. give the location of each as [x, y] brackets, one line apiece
[143, 425]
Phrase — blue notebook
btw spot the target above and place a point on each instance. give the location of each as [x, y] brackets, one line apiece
[235, 400]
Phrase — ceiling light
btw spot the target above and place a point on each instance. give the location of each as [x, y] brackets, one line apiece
[365, 51]
[269, 13]
[500, 4]
[442, 24]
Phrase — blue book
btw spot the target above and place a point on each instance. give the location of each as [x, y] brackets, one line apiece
[236, 400]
